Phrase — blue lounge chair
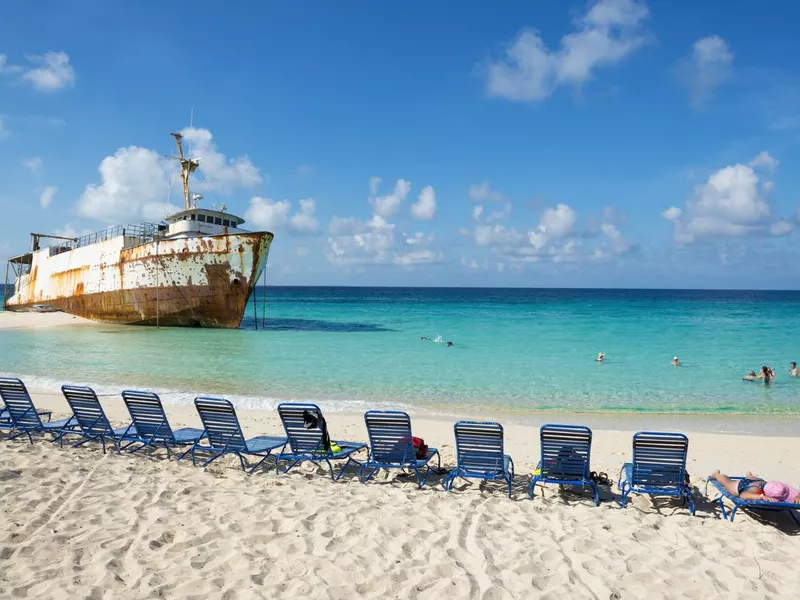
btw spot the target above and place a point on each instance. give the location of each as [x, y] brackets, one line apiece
[566, 450]
[479, 454]
[658, 467]
[391, 446]
[790, 507]
[22, 415]
[90, 417]
[224, 435]
[5, 416]
[149, 425]
[306, 435]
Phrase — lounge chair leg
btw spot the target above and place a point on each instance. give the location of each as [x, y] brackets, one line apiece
[259, 463]
[596, 493]
[212, 459]
[733, 513]
[330, 468]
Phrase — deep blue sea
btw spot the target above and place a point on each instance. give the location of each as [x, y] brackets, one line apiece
[516, 350]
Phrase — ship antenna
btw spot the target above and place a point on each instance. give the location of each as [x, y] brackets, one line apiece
[188, 167]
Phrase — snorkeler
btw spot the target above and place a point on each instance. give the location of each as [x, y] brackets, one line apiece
[751, 376]
[600, 356]
[675, 362]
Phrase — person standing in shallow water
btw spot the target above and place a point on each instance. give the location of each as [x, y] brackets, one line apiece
[675, 362]
[766, 375]
[793, 369]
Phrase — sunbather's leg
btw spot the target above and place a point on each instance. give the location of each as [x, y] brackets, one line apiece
[729, 484]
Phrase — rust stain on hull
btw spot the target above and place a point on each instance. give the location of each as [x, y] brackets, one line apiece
[190, 282]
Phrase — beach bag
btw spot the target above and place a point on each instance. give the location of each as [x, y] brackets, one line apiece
[420, 448]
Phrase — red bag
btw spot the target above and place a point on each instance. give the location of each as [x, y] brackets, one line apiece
[420, 447]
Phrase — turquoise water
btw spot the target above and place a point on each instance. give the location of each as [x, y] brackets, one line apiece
[514, 350]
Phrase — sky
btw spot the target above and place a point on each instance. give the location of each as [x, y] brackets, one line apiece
[610, 143]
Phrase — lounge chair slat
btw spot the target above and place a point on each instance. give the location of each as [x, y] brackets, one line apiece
[308, 444]
[391, 446]
[658, 467]
[22, 416]
[480, 454]
[223, 435]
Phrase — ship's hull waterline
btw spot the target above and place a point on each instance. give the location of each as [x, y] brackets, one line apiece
[202, 281]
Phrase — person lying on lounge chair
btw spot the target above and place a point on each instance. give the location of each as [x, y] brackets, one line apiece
[753, 487]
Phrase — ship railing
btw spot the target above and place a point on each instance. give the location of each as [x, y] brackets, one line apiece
[133, 234]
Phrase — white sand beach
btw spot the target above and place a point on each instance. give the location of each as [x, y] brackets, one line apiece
[38, 320]
[77, 523]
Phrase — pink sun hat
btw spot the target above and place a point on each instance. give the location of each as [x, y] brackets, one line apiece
[780, 491]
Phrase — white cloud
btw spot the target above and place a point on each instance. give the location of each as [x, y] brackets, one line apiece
[374, 185]
[133, 184]
[218, 172]
[483, 192]
[135, 181]
[607, 33]
[765, 161]
[709, 66]
[345, 226]
[46, 196]
[477, 211]
[425, 207]
[33, 164]
[496, 235]
[555, 223]
[275, 216]
[6, 68]
[386, 206]
[53, 73]
[354, 242]
[305, 220]
[781, 228]
[734, 202]
[553, 239]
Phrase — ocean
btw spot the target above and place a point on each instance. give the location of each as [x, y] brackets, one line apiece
[514, 350]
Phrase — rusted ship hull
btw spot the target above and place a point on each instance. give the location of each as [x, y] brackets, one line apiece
[192, 281]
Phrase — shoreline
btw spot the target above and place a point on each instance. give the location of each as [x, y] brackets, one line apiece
[40, 320]
[757, 425]
[708, 450]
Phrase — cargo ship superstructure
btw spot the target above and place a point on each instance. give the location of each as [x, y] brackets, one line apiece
[197, 268]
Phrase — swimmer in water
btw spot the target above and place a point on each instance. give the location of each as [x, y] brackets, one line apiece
[423, 339]
[793, 369]
[675, 362]
[600, 356]
[750, 376]
[766, 374]
[449, 344]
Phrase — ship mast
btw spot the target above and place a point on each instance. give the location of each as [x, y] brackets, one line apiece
[188, 167]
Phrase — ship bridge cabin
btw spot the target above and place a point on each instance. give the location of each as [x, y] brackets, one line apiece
[202, 221]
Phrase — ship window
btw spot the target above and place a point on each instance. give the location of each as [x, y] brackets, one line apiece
[194, 217]
[201, 218]
[217, 221]
[226, 223]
